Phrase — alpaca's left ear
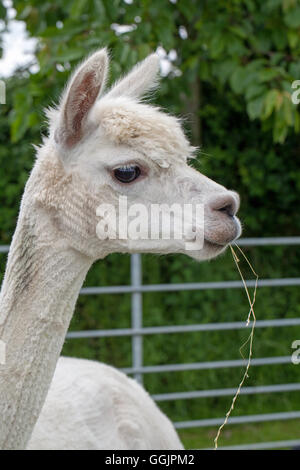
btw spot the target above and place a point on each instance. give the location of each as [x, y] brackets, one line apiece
[142, 78]
[79, 97]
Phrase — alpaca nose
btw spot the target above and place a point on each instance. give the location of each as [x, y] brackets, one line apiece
[221, 225]
[227, 203]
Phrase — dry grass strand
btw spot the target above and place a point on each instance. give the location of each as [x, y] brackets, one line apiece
[250, 338]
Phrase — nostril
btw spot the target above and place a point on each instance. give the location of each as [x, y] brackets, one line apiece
[226, 203]
[228, 209]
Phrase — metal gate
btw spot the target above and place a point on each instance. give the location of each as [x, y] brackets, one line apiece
[137, 331]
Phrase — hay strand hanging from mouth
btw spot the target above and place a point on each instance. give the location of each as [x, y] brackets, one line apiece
[250, 338]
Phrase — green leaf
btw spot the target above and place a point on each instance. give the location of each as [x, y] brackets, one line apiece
[293, 38]
[268, 74]
[292, 17]
[270, 103]
[288, 111]
[294, 70]
[238, 80]
[77, 8]
[254, 90]
[297, 123]
[2, 11]
[255, 107]
[236, 47]
[125, 52]
[280, 129]
[217, 45]
[19, 127]
[279, 38]
[99, 8]
[68, 55]
[224, 70]
[239, 31]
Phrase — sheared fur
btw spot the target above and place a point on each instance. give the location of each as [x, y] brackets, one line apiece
[93, 406]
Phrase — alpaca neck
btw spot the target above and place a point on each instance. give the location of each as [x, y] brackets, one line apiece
[42, 282]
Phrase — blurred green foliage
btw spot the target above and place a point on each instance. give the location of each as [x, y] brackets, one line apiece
[231, 79]
[250, 47]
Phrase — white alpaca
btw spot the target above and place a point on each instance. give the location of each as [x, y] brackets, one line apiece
[97, 150]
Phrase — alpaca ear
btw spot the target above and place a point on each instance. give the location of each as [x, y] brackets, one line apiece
[142, 78]
[79, 97]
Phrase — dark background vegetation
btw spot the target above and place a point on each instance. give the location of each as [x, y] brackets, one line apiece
[231, 80]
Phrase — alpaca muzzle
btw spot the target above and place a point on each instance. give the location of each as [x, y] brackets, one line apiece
[221, 224]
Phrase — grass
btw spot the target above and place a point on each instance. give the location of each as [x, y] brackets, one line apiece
[199, 438]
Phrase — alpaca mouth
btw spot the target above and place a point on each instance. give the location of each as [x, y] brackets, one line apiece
[214, 246]
[222, 238]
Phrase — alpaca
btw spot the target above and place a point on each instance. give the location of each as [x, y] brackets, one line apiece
[97, 150]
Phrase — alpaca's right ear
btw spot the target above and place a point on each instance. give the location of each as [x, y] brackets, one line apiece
[142, 78]
[79, 97]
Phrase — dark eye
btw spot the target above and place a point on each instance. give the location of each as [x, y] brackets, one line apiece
[127, 174]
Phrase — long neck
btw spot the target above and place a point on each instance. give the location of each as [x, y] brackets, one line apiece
[42, 282]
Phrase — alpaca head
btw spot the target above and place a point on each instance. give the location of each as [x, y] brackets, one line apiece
[113, 151]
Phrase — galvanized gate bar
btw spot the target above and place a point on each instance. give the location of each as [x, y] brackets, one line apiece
[222, 392]
[293, 443]
[201, 423]
[208, 365]
[154, 330]
[282, 282]
[268, 241]
[137, 315]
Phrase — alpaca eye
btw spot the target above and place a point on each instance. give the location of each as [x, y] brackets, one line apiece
[127, 174]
